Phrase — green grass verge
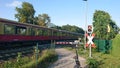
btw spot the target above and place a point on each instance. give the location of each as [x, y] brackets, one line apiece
[48, 56]
[43, 61]
[116, 46]
[111, 60]
[102, 60]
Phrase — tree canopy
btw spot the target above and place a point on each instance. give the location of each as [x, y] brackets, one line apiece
[43, 20]
[25, 14]
[73, 28]
[70, 28]
[101, 21]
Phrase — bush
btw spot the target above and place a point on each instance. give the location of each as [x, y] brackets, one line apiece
[8, 64]
[48, 56]
[92, 63]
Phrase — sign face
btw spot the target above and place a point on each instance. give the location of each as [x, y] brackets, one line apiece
[90, 29]
[90, 40]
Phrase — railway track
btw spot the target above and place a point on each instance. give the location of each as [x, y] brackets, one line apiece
[12, 53]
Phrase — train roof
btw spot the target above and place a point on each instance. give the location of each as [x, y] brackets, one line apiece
[2, 20]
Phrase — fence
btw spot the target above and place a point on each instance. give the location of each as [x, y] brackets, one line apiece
[103, 45]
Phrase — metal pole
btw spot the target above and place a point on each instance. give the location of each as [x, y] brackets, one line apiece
[77, 59]
[90, 53]
[85, 23]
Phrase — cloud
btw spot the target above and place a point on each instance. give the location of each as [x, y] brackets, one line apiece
[14, 4]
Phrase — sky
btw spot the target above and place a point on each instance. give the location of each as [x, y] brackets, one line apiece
[63, 12]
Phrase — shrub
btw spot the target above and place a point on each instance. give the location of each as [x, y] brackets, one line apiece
[43, 61]
[92, 63]
[8, 64]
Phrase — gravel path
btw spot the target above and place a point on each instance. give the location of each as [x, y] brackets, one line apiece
[66, 60]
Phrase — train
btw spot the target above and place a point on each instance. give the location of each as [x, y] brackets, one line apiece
[14, 32]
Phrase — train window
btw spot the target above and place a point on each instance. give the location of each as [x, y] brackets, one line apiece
[69, 34]
[66, 34]
[33, 31]
[45, 32]
[39, 32]
[63, 34]
[9, 29]
[49, 32]
[20, 30]
[54, 33]
[58, 33]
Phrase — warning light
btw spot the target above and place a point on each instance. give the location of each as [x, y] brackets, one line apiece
[89, 28]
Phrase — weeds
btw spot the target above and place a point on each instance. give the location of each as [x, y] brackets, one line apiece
[43, 61]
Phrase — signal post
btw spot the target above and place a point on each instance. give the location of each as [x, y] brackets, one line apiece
[90, 36]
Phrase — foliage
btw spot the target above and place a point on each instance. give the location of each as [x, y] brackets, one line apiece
[73, 29]
[116, 46]
[16, 63]
[48, 56]
[25, 14]
[101, 21]
[70, 28]
[103, 60]
[8, 64]
[92, 63]
[19, 60]
[57, 27]
[43, 20]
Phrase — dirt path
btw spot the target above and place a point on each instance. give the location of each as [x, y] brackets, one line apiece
[66, 60]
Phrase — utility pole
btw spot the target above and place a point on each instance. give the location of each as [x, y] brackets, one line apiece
[85, 23]
[90, 53]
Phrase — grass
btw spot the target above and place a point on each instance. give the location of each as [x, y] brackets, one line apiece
[103, 60]
[116, 46]
[111, 60]
[43, 61]
[48, 56]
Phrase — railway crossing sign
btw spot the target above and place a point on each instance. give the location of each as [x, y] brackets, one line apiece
[90, 40]
[90, 36]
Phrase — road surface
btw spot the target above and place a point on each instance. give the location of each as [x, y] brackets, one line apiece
[66, 59]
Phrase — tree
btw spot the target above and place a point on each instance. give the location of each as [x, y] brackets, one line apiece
[43, 20]
[72, 29]
[101, 22]
[25, 14]
[57, 27]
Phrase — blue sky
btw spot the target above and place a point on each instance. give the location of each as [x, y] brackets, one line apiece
[64, 12]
